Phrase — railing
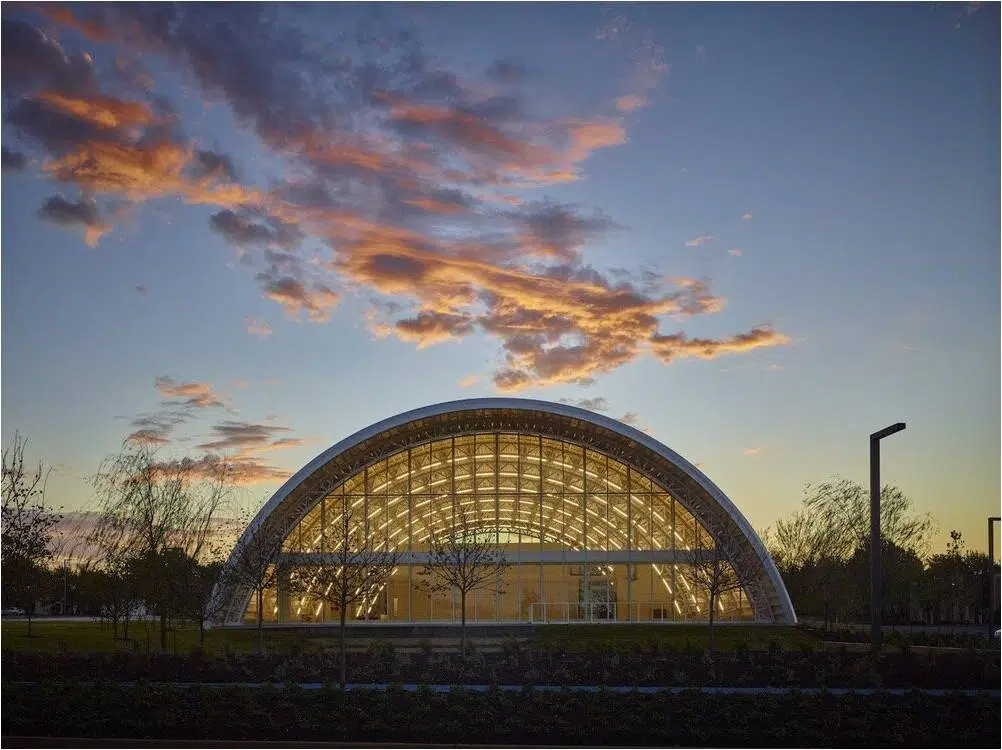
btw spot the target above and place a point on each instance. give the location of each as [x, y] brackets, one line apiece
[635, 611]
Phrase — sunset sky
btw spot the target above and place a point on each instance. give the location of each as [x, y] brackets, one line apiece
[760, 232]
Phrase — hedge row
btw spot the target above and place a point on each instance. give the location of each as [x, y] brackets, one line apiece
[146, 710]
[949, 670]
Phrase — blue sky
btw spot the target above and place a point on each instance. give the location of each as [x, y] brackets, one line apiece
[252, 231]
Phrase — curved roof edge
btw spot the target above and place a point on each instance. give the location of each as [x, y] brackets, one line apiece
[557, 409]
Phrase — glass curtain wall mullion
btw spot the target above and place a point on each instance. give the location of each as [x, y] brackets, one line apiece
[650, 536]
[542, 528]
[452, 495]
[674, 567]
[410, 536]
[584, 526]
[630, 544]
[497, 524]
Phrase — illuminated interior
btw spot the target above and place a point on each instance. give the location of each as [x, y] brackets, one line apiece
[587, 537]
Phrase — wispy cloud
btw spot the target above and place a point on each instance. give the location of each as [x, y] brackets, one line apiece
[256, 327]
[633, 419]
[699, 241]
[966, 10]
[597, 403]
[237, 446]
[79, 214]
[752, 451]
[142, 290]
[195, 394]
[415, 182]
[678, 346]
[746, 217]
[735, 251]
[243, 437]
[468, 381]
[631, 102]
[774, 368]
[13, 161]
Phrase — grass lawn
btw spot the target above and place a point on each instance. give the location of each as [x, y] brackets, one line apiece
[83, 636]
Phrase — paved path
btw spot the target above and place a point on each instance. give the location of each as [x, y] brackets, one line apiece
[642, 689]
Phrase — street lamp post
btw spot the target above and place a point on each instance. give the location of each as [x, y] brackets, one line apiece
[991, 572]
[875, 573]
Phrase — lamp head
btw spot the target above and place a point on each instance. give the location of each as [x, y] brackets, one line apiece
[881, 434]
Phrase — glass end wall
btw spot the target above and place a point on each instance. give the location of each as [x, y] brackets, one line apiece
[586, 538]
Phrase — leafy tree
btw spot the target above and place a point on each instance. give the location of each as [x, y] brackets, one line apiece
[959, 581]
[902, 575]
[463, 558]
[817, 548]
[199, 601]
[27, 528]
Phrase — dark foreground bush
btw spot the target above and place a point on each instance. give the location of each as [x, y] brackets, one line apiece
[959, 669]
[531, 717]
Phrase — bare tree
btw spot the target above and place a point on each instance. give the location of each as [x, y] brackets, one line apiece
[713, 574]
[252, 566]
[465, 558]
[27, 528]
[841, 508]
[355, 567]
[805, 549]
[151, 509]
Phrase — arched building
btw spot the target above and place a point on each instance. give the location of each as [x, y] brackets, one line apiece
[598, 521]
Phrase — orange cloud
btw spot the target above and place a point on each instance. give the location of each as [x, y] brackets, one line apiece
[631, 102]
[195, 394]
[409, 180]
[468, 381]
[103, 111]
[316, 300]
[677, 346]
[429, 328]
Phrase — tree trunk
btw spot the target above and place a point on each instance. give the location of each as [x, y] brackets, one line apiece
[344, 650]
[462, 640]
[29, 622]
[260, 619]
[163, 631]
[201, 632]
[712, 642]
